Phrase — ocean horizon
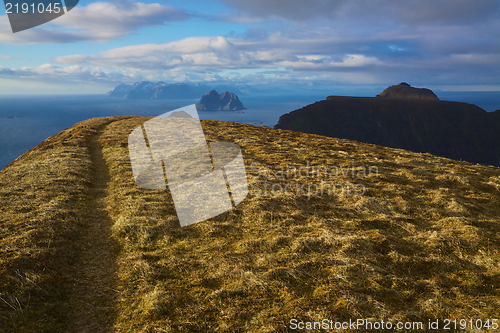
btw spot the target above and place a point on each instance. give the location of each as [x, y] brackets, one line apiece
[27, 120]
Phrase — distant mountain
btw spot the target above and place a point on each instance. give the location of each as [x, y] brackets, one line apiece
[158, 90]
[225, 101]
[455, 130]
[162, 90]
[121, 90]
[404, 90]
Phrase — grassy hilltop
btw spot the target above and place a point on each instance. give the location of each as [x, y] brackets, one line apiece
[83, 249]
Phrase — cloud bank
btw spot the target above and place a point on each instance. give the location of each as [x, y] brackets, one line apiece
[97, 22]
[412, 12]
[318, 42]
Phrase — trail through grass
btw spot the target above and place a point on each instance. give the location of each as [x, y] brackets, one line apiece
[93, 295]
[57, 257]
[83, 249]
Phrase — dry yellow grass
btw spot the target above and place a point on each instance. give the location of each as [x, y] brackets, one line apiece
[421, 243]
[44, 202]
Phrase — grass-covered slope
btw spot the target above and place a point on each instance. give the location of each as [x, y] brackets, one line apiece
[459, 131]
[48, 204]
[82, 248]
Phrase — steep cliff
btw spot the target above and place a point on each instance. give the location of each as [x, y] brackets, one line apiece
[225, 101]
[455, 130]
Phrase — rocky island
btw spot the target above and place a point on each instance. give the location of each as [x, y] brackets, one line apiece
[225, 101]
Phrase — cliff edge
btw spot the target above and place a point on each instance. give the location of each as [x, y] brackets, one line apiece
[455, 130]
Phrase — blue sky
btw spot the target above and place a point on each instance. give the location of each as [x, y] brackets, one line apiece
[337, 45]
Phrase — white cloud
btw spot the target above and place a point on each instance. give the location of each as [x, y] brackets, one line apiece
[97, 22]
[316, 62]
[78, 74]
[219, 53]
[49, 73]
[6, 57]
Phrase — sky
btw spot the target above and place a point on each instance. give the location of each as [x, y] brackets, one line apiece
[298, 45]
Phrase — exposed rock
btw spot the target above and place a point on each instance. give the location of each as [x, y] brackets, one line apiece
[225, 101]
[404, 90]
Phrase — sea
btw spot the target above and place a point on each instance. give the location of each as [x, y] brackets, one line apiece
[25, 121]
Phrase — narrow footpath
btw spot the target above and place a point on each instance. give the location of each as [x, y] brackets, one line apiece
[93, 295]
